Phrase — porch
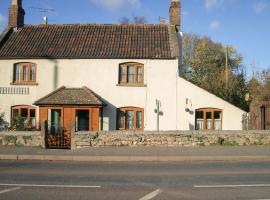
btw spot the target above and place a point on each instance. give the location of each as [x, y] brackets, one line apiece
[67, 109]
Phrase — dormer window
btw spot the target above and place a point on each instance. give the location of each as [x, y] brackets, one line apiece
[24, 73]
[131, 74]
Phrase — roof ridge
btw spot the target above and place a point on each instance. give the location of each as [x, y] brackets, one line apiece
[46, 25]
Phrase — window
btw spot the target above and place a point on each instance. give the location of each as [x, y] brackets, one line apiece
[23, 117]
[130, 118]
[208, 119]
[131, 74]
[24, 73]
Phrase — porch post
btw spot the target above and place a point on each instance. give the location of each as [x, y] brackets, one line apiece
[42, 134]
[72, 137]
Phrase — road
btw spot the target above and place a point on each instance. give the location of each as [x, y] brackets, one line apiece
[29, 180]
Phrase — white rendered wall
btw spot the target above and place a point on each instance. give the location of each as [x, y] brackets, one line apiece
[232, 116]
[101, 76]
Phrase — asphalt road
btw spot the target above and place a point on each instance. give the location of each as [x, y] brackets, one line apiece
[28, 180]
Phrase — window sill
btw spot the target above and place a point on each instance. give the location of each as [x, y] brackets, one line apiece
[131, 85]
[26, 83]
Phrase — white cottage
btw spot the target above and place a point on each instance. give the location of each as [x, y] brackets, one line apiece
[103, 77]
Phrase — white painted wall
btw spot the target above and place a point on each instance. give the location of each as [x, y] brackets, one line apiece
[101, 76]
[232, 116]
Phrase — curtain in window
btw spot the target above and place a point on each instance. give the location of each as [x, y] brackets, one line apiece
[130, 120]
[139, 73]
[139, 120]
[24, 73]
[121, 117]
[130, 74]
[123, 74]
[17, 71]
[32, 73]
[199, 124]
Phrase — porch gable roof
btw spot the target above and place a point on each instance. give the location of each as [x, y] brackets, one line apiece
[71, 96]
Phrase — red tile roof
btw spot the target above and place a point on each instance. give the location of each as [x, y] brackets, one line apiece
[88, 41]
[70, 96]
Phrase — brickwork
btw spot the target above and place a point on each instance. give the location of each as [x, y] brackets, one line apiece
[174, 27]
[175, 13]
[16, 14]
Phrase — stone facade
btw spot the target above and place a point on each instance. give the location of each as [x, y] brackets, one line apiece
[10, 138]
[170, 138]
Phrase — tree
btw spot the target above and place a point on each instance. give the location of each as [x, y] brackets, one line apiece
[259, 86]
[134, 20]
[206, 61]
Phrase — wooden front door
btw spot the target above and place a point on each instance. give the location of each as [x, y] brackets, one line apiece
[265, 118]
[56, 135]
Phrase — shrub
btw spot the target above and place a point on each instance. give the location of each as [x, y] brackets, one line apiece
[11, 138]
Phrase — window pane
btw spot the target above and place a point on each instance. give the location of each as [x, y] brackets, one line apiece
[24, 112]
[32, 122]
[139, 120]
[25, 73]
[208, 120]
[121, 116]
[123, 72]
[130, 74]
[15, 113]
[217, 120]
[199, 120]
[32, 113]
[139, 73]
[32, 73]
[130, 120]
[17, 77]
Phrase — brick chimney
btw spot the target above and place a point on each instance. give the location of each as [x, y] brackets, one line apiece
[175, 26]
[175, 13]
[16, 14]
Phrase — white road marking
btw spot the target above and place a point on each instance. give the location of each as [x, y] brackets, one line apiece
[151, 195]
[231, 186]
[57, 186]
[9, 190]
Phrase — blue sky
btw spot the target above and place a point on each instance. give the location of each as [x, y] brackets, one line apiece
[244, 24]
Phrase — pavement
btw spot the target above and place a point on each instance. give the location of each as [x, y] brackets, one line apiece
[139, 154]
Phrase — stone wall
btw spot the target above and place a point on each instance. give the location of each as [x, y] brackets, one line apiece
[135, 139]
[20, 138]
[170, 138]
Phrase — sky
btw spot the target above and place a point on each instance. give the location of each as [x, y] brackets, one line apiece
[245, 24]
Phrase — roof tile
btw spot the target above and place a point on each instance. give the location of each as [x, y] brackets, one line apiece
[88, 41]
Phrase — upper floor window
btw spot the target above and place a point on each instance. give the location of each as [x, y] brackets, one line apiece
[24, 73]
[131, 74]
[208, 119]
[130, 118]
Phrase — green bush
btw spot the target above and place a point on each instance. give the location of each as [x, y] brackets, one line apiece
[25, 138]
[11, 138]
